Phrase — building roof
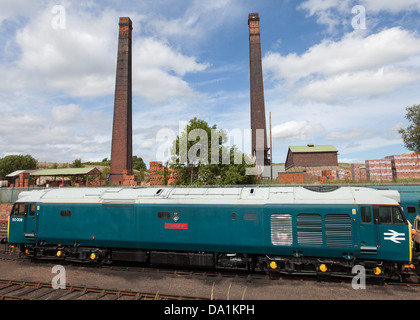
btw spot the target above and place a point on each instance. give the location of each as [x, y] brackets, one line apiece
[18, 172]
[312, 148]
[66, 172]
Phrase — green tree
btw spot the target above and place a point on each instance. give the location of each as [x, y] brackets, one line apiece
[13, 163]
[77, 164]
[200, 157]
[411, 135]
[138, 163]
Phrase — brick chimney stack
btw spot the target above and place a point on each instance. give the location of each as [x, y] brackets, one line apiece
[122, 145]
[258, 123]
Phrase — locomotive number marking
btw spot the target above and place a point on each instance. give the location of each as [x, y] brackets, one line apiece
[17, 219]
[178, 226]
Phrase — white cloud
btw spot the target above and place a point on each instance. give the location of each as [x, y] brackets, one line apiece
[158, 68]
[352, 53]
[391, 5]
[80, 60]
[350, 67]
[76, 60]
[327, 11]
[63, 132]
[352, 134]
[333, 13]
[200, 19]
[352, 85]
[9, 9]
[66, 114]
[296, 130]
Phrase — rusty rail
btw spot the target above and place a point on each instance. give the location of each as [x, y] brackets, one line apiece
[26, 290]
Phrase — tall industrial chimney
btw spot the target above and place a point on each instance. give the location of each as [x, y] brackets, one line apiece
[258, 123]
[122, 145]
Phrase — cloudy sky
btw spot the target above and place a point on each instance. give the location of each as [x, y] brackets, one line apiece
[335, 72]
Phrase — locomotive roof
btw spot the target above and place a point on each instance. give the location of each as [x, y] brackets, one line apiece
[217, 195]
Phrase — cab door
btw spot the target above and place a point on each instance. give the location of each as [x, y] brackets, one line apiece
[394, 234]
[368, 232]
[31, 221]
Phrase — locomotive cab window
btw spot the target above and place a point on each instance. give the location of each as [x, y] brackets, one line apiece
[390, 215]
[365, 214]
[32, 210]
[19, 210]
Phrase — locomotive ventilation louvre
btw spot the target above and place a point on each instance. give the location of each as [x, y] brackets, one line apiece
[281, 229]
[338, 230]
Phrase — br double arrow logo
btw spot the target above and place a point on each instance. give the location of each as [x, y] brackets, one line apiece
[394, 236]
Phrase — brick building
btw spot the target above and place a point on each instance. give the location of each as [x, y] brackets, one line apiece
[308, 164]
[311, 156]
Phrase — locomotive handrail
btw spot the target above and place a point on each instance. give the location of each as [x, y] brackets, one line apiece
[355, 232]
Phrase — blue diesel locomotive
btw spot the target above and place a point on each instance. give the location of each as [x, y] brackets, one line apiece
[275, 229]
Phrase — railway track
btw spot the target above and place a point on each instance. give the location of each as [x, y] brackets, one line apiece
[25, 290]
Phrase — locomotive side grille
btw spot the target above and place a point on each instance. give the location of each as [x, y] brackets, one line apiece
[338, 231]
[309, 229]
[281, 229]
